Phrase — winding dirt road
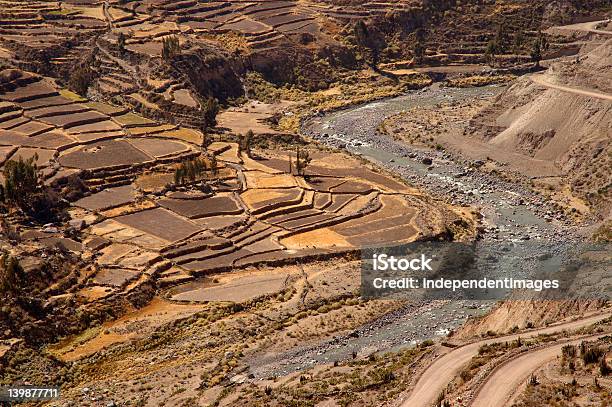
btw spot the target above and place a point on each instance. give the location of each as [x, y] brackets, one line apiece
[501, 387]
[542, 80]
[590, 27]
[437, 376]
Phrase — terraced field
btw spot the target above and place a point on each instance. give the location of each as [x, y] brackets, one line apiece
[120, 44]
[48, 29]
[139, 227]
[264, 24]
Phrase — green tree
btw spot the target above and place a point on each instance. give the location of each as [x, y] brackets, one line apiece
[519, 40]
[11, 273]
[302, 161]
[170, 47]
[205, 141]
[22, 189]
[536, 52]
[419, 53]
[419, 46]
[210, 109]
[544, 41]
[539, 46]
[246, 142]
[498, 44]
[366, 40]
[20, 181]
[491, 51]
[121, 42]
[360, 30]
[501, 39]
[179, 176]
[80, 80]
[214, 166]
[604, 368]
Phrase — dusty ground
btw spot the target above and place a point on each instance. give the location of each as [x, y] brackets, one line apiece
[569, 379]
[315, 302]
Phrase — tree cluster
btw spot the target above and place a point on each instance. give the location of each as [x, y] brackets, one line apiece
[170, 47]
[24, 190]
[192, 170]
[498, 44]
[80, 80]
[540, 44]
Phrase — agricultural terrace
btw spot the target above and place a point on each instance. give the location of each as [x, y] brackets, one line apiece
[138, 225]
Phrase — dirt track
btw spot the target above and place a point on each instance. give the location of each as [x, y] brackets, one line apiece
[444, 369]
[542, 80]
[590, 27]
[500, 388]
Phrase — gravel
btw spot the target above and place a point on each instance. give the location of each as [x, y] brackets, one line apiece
[511, 213]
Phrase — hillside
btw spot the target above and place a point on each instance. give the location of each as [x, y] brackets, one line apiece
[551, 117]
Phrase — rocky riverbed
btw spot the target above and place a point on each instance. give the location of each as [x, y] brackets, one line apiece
[510, 210]
[510, 213]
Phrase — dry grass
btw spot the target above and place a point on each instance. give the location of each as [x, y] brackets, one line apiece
[71, 95]
[355, 89]
[131, 119]
[188, 135]
[479, 80]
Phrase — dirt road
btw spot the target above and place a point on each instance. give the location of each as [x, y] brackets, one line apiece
[543, 81]
[501, 387]
[590, 27]
[435, 379]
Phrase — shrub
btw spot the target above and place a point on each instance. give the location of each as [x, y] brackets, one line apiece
[426, 343]
[382, 376]
[11, 274]
[592, 355]
[189, 170]
[466, 375]
[604, 368]
[9, 75]
[569, 351]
